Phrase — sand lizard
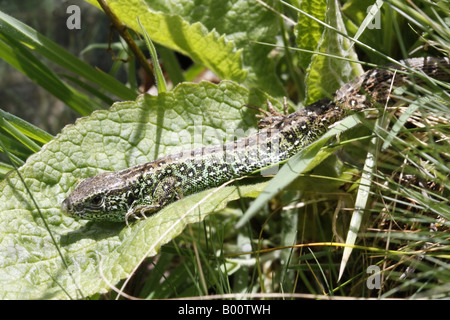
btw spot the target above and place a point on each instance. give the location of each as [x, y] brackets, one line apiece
[148, 187]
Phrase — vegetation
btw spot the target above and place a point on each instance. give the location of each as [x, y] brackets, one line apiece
[259, 237]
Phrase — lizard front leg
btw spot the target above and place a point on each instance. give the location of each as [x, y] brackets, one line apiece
[164, 193]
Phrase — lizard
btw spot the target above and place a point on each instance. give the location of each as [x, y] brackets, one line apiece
[146, 188]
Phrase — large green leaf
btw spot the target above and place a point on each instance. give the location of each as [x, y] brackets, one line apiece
[328, 38]
[215, 34]
[128, 134]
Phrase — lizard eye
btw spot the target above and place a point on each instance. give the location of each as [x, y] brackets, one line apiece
[97, 200]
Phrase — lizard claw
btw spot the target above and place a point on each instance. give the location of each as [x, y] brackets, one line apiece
[138, 212]
[271, 115]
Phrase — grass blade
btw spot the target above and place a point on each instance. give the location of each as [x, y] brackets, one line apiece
[55, 53]
[360, 204]
[27, 128]
[20, 58]
[159, 77]
[30, 144]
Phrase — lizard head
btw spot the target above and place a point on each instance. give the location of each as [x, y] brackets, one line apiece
[102, 197]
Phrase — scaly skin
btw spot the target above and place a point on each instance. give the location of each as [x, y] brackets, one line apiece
[146, 188]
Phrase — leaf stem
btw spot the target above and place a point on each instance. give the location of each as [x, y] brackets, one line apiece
[123, 31]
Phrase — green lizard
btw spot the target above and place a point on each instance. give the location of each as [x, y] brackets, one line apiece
[146, 188]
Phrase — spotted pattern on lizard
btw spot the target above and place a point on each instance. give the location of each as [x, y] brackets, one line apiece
[146, 188]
